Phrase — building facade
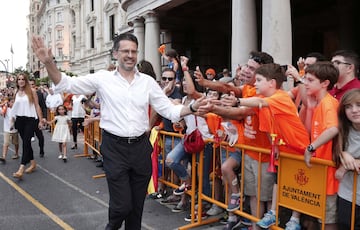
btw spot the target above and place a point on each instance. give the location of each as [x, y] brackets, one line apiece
[213, 33]
[79, 33]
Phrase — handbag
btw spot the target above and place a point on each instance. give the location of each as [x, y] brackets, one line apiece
[193, 142]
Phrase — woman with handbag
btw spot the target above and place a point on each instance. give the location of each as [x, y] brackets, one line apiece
[177, 159]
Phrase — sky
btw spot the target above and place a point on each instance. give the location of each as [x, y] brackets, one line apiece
[13, 25]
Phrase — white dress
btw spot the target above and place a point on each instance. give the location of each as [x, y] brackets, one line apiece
[61, 131]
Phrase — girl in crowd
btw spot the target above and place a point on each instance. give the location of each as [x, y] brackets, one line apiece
[24, 112]
[177, 159]
[347, 151]
[61, 132]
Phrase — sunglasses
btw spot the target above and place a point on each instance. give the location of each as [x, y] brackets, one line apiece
[167, 78]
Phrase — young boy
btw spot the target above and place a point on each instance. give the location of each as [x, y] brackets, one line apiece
[10, 135]
[275, 105]
[270, 106]
[322, 110]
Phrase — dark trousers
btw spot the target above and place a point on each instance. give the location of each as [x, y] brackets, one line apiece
[26, 128]
[344, 214]
[75, 123]
[39, 134]
[128, 171]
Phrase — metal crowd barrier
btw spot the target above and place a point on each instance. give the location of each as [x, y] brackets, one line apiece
[300, 188]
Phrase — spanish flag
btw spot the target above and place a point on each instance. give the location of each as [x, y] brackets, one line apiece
[154, 140]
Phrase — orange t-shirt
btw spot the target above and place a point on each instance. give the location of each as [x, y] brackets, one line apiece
[325, 117]
[214, 124]
[281, 118]
[261, 140]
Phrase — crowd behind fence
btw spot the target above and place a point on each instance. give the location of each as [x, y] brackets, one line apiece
[300, 188]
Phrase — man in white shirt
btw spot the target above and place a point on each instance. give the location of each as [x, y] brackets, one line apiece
[53, 100]
[125, 98]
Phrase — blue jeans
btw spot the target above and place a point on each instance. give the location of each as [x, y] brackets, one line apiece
[168, 144]
[236, 155]
[178, 154]
[208, 150]
[168, 147]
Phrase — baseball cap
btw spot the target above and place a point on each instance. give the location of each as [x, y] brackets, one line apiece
[210, 71]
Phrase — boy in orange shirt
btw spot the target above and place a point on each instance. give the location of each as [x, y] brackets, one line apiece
[276, 105]
[248, 117]
[322, 110]
[251, 121]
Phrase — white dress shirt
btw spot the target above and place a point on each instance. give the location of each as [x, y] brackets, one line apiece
[77, 109]
[124, 105]
[52, 101]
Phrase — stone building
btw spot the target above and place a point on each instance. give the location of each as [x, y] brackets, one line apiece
[213, 33]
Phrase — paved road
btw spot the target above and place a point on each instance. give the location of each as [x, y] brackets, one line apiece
[65, 196]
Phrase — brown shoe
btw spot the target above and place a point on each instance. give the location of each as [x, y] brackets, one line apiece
[20, 172]
[32, 167]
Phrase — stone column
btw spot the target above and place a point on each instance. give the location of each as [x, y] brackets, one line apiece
[77, 46]
[244, 35]
[152, 41]
[276, 30]
[139, 32]
[276, 33]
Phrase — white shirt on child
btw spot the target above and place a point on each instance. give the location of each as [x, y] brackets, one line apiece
[7, 122]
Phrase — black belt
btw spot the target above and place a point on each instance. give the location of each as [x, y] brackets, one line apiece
[129, 140]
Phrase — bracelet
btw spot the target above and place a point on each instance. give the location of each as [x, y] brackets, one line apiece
[192, 109]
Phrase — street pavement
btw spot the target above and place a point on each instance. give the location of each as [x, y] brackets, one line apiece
[62, 195]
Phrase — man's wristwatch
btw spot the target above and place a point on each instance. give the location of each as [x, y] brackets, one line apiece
[191, 108]
[310, 148]
[238, 103]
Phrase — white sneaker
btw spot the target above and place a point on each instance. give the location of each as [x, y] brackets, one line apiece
[60, 156]
[214, 210]
[33, 139]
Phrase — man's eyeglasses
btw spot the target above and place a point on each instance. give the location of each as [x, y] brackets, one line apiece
[132, 52]
[259, 60]
[167, 78]
[337, 62]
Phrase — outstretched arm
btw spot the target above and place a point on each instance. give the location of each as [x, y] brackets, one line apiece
[234, 113]
[216, 85]
[45, 55]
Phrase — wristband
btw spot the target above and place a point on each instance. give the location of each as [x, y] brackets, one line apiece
[185, 68]
[192, 109]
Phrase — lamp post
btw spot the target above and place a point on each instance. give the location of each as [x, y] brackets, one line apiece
[7, 71]
[7, 66]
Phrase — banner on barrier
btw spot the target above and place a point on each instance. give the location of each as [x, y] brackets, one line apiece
[302, 188]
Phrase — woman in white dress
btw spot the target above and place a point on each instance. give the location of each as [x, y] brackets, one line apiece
[61, 132]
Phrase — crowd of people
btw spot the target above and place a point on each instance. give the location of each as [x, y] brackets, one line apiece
[320, 117]
[312, 115]
[28, 101]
